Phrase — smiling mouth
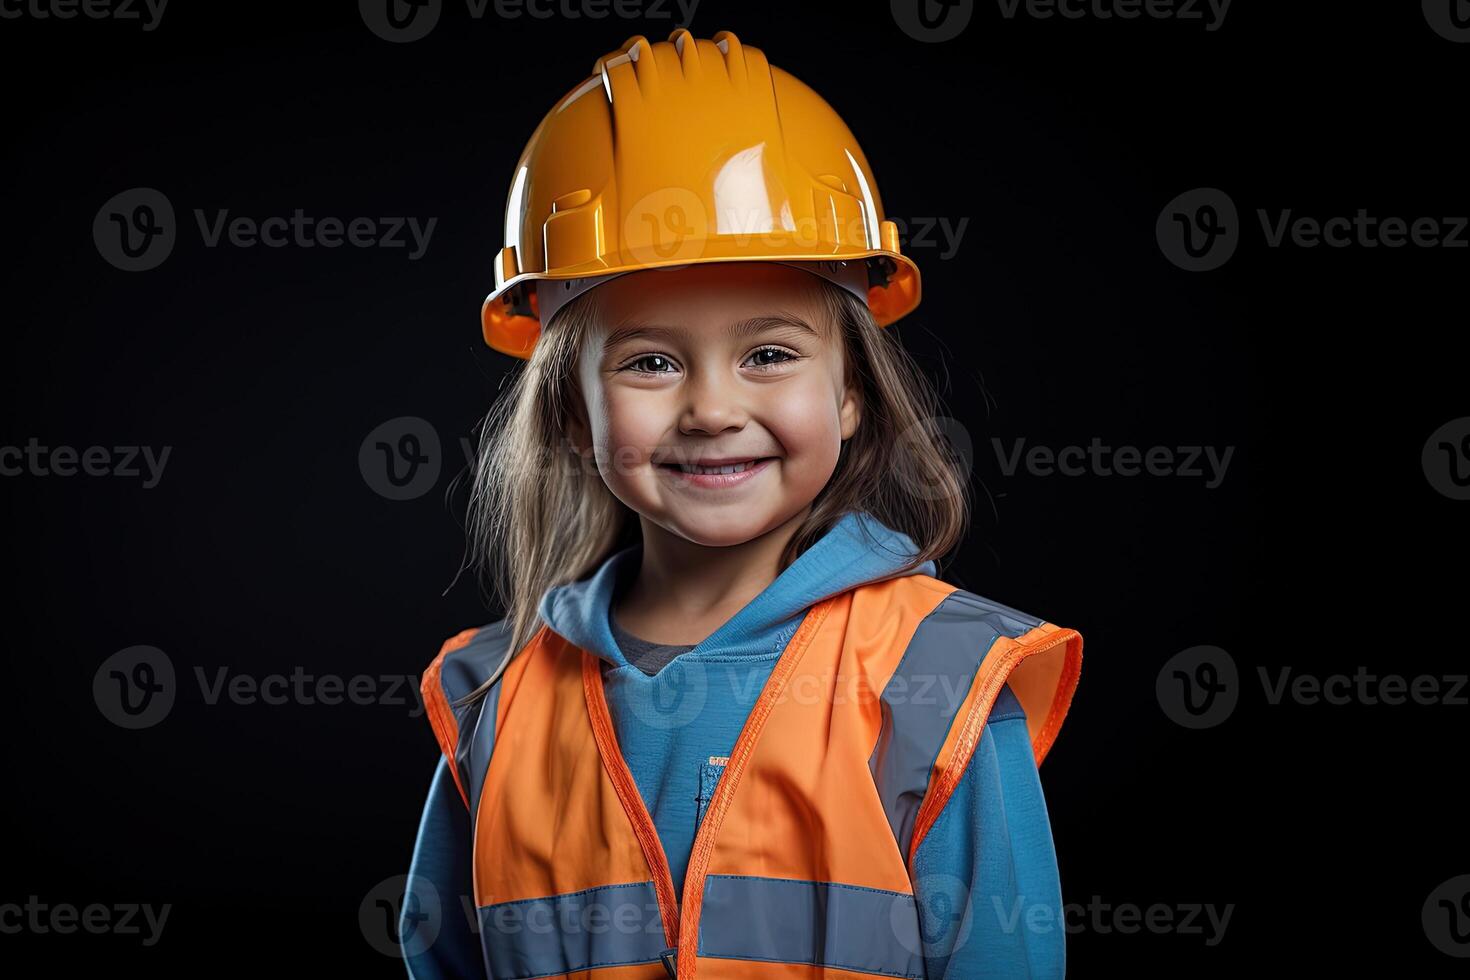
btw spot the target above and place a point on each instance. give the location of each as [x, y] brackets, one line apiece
[740, 467]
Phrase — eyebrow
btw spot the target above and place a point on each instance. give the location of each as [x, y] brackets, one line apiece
[633, 330]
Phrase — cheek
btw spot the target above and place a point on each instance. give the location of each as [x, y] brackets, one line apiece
[805, 418]
[628, 425]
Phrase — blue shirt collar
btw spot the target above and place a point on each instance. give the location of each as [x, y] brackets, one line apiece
[856, 550]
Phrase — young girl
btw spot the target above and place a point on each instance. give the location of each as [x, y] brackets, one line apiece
[731, 725]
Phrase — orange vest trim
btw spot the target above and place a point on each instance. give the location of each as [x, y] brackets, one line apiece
[627, 790]
[436, 706]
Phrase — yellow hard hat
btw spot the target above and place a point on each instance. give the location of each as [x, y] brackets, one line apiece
[681, 152]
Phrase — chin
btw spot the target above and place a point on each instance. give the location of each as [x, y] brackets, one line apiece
[719, 527]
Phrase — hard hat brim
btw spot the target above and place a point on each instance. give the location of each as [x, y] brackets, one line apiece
[512, 331]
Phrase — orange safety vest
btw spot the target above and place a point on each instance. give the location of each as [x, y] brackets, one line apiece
[801, 864]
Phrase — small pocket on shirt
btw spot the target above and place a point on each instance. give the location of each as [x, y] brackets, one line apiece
[709, 778]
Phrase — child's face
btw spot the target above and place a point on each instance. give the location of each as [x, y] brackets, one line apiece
[729, 361]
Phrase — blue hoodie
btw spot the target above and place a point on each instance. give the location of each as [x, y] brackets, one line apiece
[989, 853]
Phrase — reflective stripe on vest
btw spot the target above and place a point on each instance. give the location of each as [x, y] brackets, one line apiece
[801, 864]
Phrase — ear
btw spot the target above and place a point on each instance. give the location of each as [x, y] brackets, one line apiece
[578, 436]
[851, 412]
[578, 433]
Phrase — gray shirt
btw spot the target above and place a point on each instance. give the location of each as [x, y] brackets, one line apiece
[646, 655]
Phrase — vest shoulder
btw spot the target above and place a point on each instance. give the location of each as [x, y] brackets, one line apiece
[956, 636]
[471, 657]
[960, 604]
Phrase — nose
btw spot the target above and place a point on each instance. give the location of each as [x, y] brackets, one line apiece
[712, 404]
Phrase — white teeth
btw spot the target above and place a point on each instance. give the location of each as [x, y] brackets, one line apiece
[732, 468]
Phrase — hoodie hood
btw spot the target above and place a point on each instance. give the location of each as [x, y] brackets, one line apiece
[858, 549]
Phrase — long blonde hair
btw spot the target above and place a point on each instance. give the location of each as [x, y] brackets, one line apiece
[540, 514]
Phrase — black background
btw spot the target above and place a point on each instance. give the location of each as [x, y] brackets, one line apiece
[264, 549]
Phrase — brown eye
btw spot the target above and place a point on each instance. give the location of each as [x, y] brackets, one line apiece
[658, 364]
[770, 357]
